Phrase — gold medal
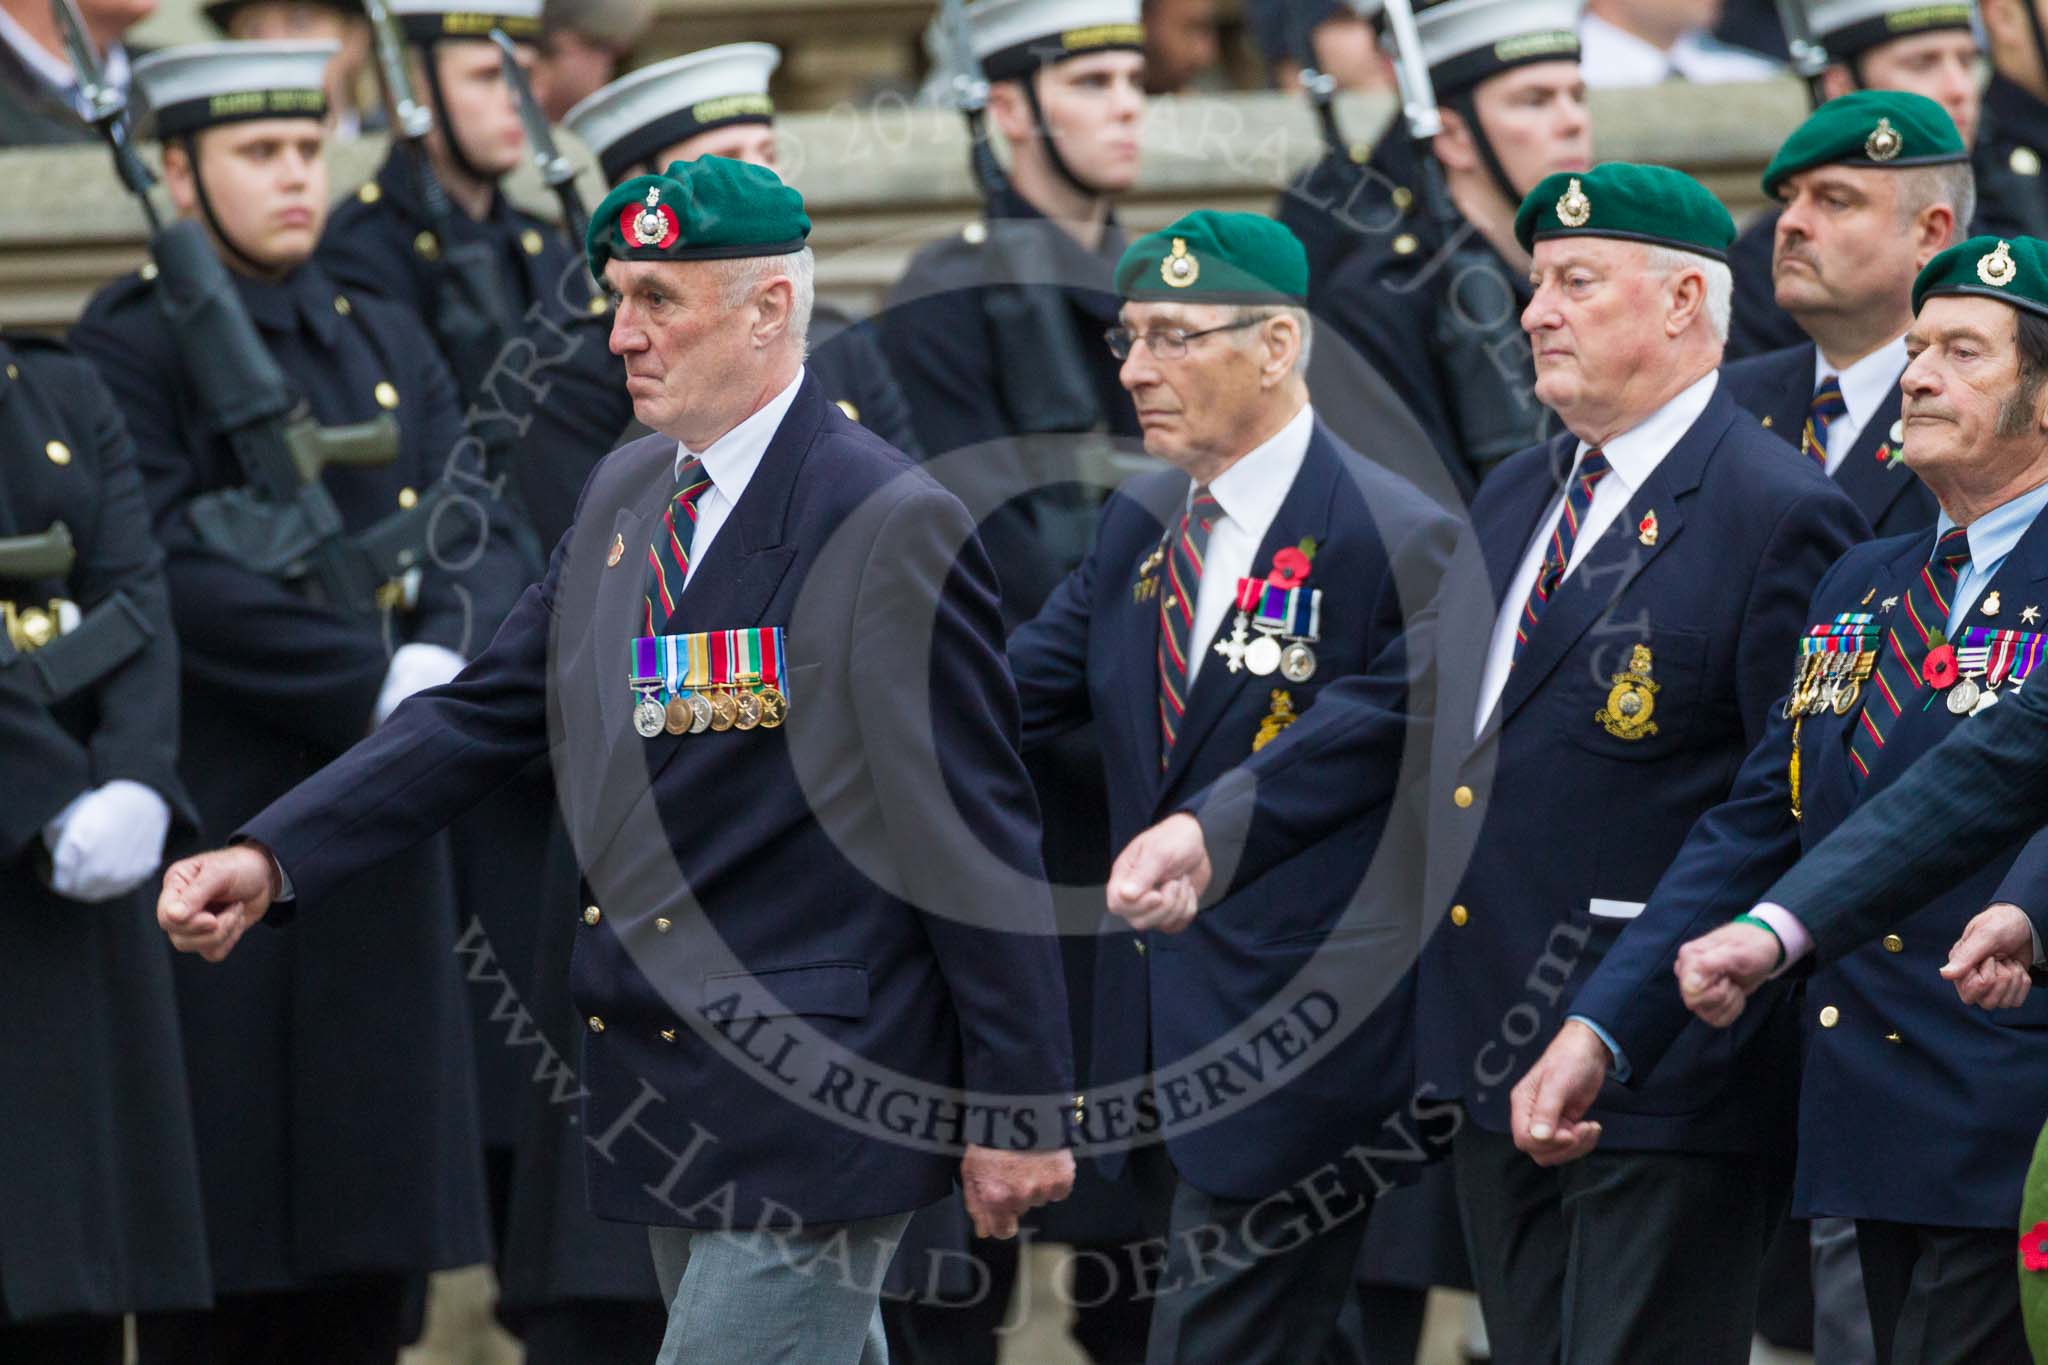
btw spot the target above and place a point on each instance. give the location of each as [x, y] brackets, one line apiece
[676, 720]
[774, 708]
[725, 712]
[700, 713]
[749, 711]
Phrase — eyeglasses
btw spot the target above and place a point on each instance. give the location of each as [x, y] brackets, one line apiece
[1169, 343]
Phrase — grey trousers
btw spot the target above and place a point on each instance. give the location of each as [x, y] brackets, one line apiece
[809, 1297]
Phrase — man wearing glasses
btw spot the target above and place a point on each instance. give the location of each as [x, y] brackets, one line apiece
[1221, 597]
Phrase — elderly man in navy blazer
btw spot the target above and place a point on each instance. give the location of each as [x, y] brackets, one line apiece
[1873, 185]
[816, 955]
[1222, 597]
[1607, 647]
[1918, 1114]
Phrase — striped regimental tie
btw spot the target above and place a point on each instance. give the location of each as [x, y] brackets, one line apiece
[1827, 405]
[1921, 613]
[668, 558]
[1177, 611]
[1558, 557]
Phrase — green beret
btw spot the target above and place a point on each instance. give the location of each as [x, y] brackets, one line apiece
[1211, 257]
[1652, 204]
[2013, 271]
[2033, 1249]
[709, 209]
[1887, 129]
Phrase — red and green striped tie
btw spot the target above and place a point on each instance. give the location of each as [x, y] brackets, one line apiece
[668, 558]
[1922, 613]
[1827, 405]
[1177, 611]
[1558, 558]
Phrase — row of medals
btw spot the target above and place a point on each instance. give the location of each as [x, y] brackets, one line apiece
[719, 709]
[1830, 681]
[1265, 656]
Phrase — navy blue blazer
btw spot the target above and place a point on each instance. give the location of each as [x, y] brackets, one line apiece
[788, 932]
[1776, 389]
[1915, 1108]
[1550, 826]
[1091, 654]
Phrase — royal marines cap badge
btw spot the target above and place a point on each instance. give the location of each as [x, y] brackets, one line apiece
[1884, 142]
[1632, 699]
[653, 224]
[1178, 268]
[1574, 209]
[1997, 268]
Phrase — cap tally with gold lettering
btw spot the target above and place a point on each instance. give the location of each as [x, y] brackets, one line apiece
[1016, 37]
[430, 21]
[201, 85]
[1847, 29]
[710, 209]
[637, 117]
[2012, 270]
[1213, 257]
[1620, 199]
[1466, 41]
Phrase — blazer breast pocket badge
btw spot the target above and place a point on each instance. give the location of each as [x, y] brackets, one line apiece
[1632, 700]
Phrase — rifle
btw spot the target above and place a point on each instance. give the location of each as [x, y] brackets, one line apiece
[556, 172]
[1478, 320]
[283, 522]
[1809, 58]
[464, 312]
[1054, 393]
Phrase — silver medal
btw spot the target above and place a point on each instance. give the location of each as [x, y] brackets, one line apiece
[648, 717]
[1298, 663]
[1263, 657]
[1963, 696]
[700, 713]
[1985, 703]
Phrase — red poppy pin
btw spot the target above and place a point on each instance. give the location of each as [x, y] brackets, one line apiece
[653, 224]
[1290, 568]
[2034, 1247]
[1940, 670]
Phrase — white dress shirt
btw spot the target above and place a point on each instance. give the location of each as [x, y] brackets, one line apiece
[1250, 493]
[731, 461]
[1633, 456]
[1865, 386]
[1612, 57]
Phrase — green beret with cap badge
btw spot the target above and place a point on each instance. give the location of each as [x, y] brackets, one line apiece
[1879, 129]
[710, 209]
[1651, 204]
[2012, 270]
[1212, 257]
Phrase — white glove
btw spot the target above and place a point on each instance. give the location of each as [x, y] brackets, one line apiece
[415, 668]
[107, 842]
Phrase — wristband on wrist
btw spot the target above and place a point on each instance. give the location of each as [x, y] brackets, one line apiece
[1757, 923]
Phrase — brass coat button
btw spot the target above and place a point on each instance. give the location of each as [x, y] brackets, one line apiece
[408, 499]
[14, 371]
[1767, 421]
[591, 914]
[342, 305]
[385, 394]
[974, 234]
[596, 1024]
[1459, 915]
[147, 272]
[59, 453]
[370, 193]
[662, 926]
[1405, 244]
[1894, 944]
[529, 242]
[2025, 161]
[1829, 1016]
[1462, 798]
[598, 305]
[426, 245]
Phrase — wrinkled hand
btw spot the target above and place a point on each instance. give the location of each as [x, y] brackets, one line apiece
[209, 900]
[1547, 1110]
[1989, 962]
[1000, 1187]
[107, 842]
[1160, 876]
[1718, 972]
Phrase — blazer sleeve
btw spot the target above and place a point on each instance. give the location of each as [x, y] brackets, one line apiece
[960, 818]
[2026, 884]
[1971, 796]
[1346, 754]
[1049, 657]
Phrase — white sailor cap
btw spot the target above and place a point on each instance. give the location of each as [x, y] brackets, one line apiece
[198, 85]
[1016, 37]
[1466, 41]
[427, 21]
[1849, 28]
[658, 106]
